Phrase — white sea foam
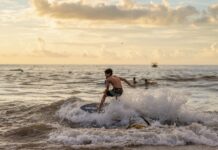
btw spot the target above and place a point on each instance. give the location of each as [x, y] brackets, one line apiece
[115, 112]
[166, 105]
[160, 104]
[163, 105]
[192, 134]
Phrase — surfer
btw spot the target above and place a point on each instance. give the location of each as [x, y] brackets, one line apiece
[115, 81]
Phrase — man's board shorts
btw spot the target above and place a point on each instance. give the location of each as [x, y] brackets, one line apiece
[115, 92]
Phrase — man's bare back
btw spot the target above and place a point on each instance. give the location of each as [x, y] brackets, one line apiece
[115, 81]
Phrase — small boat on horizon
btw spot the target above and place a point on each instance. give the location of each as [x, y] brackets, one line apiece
[154, 65]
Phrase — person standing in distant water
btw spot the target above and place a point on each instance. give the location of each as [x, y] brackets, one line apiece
[146, 83]
[115, 81]
[134, 80]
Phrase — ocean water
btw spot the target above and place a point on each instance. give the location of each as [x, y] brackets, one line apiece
[40, 107]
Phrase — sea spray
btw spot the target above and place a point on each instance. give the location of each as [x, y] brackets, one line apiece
[116, 113]
[164, 105]
[161, 104]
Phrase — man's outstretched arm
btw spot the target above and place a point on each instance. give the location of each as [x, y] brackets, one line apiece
[127, 82]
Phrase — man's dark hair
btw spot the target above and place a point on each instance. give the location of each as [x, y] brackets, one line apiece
[108, 71]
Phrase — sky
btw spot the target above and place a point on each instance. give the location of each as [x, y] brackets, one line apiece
[174, 32]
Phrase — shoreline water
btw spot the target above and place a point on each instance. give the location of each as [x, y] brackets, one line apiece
[40, 108]
[47, 146]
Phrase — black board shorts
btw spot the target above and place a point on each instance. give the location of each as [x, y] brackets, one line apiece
[115, 92]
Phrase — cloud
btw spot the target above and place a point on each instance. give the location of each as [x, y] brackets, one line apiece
[41, 43]
[102, 52]
[89, 54]
[133, 54]
[42, 52]
[166, 3]
[210, 16]
[211, 52]
[214, 47]
[213, 10]
[9, 54]
[125, 12]
[175, 55]
[14, 13]
[10, 4]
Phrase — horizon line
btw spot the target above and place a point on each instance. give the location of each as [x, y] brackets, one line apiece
[121, 64]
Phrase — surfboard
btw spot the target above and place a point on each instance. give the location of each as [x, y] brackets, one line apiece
[91, 107]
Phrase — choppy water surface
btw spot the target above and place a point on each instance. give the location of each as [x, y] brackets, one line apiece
[40, 107]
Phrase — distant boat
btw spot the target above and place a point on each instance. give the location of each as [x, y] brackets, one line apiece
[154, 65]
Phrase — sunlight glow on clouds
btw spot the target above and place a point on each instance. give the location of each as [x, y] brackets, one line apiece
[109, 32]
[125, 12]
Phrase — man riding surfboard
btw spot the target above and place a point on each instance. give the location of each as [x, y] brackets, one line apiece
[115, 81]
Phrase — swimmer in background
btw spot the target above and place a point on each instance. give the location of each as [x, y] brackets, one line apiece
[146, 82]
[134, 80]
